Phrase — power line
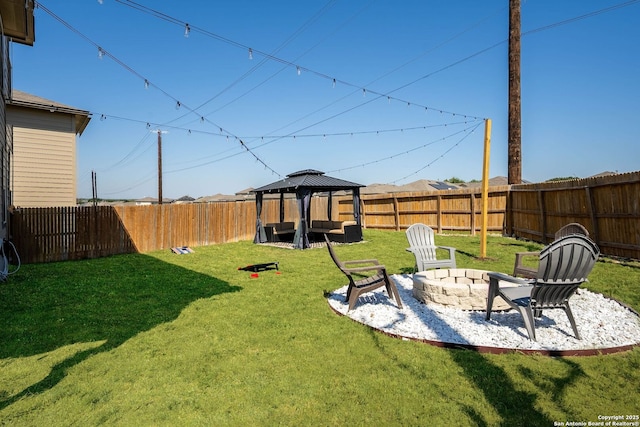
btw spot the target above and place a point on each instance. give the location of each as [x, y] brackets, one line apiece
[439, 157]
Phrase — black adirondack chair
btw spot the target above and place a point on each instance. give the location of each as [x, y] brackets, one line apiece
[563, 266]
[367, 283]
[522, 270]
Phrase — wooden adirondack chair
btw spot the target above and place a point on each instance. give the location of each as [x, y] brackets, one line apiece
[564, 265]
[422, 245]
[365, 284]
[520, 269]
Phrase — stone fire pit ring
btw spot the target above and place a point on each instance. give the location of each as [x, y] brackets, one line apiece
[462, 288]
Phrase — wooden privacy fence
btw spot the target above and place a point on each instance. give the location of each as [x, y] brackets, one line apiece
[607, 206]
[58, 234]
[451, 210]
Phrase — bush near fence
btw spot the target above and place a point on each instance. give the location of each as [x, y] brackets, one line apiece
[607, 206]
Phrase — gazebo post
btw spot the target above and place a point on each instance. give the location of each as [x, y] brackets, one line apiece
[281, 207]
[356, 205]
[260, 236]
[301, 239]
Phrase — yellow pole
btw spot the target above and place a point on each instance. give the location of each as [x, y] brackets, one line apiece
[485, 188]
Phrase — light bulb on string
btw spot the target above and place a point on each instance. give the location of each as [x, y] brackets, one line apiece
[178, 105]
[250, 53]
[187, 30]
[100, 52]
[146, 84]
[334, 83]
[298, 70]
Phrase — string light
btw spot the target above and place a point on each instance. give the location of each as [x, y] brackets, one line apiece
[146, 84]
[468, 131]
[298, 69]
[220, 131]
[100, 52]
[187, 30]
[250, 53]
[178, 105]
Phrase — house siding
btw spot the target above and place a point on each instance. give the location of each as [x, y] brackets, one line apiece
[6, 141]
[44, 158]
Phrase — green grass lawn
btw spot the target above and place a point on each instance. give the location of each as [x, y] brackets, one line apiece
[165, 339]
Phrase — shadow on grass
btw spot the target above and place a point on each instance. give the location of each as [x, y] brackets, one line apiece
[109, 300]
[514, 406]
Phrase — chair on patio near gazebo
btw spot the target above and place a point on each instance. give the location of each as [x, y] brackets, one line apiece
[422, 245]
[563, 266]
[368, 283]
[520, 269]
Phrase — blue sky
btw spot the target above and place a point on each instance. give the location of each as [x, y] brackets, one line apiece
[368, 91]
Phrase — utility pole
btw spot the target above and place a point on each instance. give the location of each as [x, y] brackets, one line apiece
[94, 187]
[159, 164]
[515, 139]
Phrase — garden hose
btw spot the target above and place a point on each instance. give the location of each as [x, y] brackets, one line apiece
[4, 267]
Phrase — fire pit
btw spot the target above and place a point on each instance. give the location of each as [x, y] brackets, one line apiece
[463, 288]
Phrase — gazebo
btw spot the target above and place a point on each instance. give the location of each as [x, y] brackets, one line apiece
[304, 183]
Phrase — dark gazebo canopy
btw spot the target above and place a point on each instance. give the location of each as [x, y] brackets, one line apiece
[308, 178]
[304, 183]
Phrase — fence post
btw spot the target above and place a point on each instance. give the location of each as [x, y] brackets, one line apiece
[439, 213]
[473, 213]
[592, 214]
[396, 211]
[543, 217]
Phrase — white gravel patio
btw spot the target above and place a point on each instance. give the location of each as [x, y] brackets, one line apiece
[605, 324]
